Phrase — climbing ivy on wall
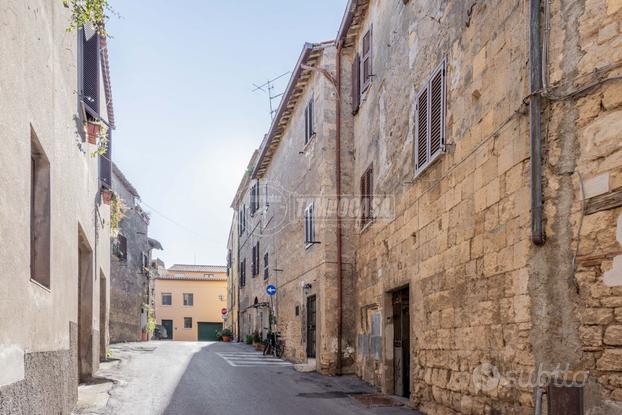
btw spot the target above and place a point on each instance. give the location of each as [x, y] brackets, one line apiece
[92, 12]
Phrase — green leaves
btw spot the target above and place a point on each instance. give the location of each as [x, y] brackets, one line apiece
[91, 12]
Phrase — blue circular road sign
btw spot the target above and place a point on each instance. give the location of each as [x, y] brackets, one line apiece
[271, 289]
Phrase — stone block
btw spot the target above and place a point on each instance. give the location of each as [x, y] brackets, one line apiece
[613, 336]
[611, 360]
[592, 316]
[612, 96]
[613, 6]
[591, 336]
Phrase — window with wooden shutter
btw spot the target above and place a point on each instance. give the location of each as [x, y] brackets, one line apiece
[309, 122]
[243, 272]
[309, 226]
[105, 165]
[429, 134]
[90, 69]
[366, 59]
[356, 84]
[266, 268]
[367, 191]
[254, 207]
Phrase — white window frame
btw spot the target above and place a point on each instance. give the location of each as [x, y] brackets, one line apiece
[162, 299]
[184, 299]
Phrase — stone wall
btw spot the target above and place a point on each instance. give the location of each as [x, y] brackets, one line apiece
[129, 285]
[484, 301]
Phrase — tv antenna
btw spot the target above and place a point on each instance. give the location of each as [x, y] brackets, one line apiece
[268, 87]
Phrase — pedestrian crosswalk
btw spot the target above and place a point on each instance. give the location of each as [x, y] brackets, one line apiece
[251, 359]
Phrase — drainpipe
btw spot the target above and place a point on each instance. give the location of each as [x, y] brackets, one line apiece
[535, 121]
[338, 191]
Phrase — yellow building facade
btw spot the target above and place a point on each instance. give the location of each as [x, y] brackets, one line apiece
[189, 300]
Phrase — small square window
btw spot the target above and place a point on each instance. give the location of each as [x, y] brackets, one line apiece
[187, 322]
[167, 299]
[188, 299]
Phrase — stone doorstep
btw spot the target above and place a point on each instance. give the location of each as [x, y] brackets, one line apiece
[309, 366]
[92, 397]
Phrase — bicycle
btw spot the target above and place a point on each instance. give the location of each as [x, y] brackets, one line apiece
[274, 345]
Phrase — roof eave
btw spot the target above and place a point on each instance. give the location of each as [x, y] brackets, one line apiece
[293, 80]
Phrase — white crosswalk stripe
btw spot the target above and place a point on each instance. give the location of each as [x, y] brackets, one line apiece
[251, 359]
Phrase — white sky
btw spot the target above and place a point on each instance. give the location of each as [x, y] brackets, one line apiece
[187, 119]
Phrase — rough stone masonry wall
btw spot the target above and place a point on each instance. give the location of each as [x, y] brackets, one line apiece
[129, 283]
[460, 235]
[485, 303]
[577, 294]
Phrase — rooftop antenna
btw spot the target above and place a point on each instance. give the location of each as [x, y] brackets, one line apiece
[268, 87]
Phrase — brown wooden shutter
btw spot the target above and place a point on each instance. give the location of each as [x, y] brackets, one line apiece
[436, 113]
[356, 84]
[90, 69]
[421, 129]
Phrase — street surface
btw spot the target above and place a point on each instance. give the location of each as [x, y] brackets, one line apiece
[178, 378]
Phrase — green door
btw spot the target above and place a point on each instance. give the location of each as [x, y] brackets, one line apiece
[168, 325]
[207, 331]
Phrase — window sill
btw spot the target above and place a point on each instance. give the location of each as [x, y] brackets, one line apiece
[367, 226]
[308, 143]
[38, 284]
[428, 164]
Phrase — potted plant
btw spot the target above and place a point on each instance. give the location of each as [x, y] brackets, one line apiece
[248, 339]
[257, 340]
[92, 131]
[226, 335]
[107, 196]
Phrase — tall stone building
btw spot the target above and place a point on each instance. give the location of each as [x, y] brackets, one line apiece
[54, 222]
[132, 270]
[286, 210]
[501, 149]
[233, 281]
[482, 143]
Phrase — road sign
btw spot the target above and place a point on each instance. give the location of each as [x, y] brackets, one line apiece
[223, 311]
[271, 289]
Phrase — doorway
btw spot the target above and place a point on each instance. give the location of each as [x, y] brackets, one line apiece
[168, 325]
[311, 326]
[401, 342]
[208, 332]
[85, 308]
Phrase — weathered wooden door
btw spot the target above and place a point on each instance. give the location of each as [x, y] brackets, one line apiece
[311, 326]
[401, 342]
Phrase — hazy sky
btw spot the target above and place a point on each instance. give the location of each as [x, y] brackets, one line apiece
[187, 119]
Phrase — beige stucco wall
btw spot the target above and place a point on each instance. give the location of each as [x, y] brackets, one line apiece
[206, 309]
[39, 80]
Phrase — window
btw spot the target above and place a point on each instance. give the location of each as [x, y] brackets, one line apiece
[366, 57]
[297, 310]
[266, 268]
[188, 299]
[266, 194]
[255, 260]
[208, 275]
[89, 70]
[367, 194]
[254, 198]
[167, 299]
[430, 120]
[243, 273]
[40, 216]
[309, 226]
[242, 220]
[221, 297]
[309, 122]
[145, 261]
[187, 322]
[120, 247]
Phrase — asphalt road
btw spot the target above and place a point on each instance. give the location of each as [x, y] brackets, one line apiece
[178, 378]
